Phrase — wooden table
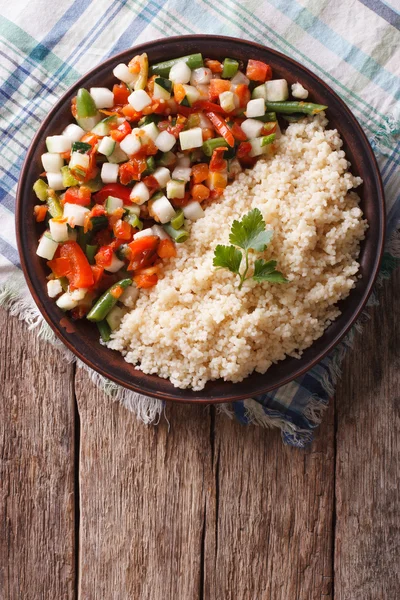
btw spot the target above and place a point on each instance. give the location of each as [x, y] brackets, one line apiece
[95, 505]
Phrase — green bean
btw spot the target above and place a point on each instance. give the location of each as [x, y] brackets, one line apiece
[41, 190]
[107, 301]
[85, 105]
[179, 235]
[209, 146]
[104, 330]
[193, 61]
[178, 220]
[230, 68]
[291, 107]
[267, 139]
[269, 116]
[91, 250]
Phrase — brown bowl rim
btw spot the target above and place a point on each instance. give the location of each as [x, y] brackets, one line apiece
[56, 327]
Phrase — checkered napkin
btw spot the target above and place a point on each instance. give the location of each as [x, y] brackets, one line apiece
[352, 45]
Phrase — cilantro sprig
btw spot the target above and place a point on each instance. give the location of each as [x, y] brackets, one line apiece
[248, 234]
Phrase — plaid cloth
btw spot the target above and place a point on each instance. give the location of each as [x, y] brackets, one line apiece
[352, 45]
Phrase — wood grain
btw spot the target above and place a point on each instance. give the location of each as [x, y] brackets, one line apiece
[143, 494]
[367, 549]
[37, 558]
[272, 533]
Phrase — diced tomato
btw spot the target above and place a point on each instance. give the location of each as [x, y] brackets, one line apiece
[130, 113]
[221, 127]
[151, 183]
[200, 172]
[258, 71]
[60, 266]
[103, 258]
[90, 138]
[78, 195]
[97, 273]
[207, 133]
[80, 274]
[217, 162]
[216, 193]
[207, 106]
[122, 230]
[127, 173]
[179, 202]
[40, 212]
[243, 93]
[146, 278]
[143, 252]
[112, 219]
[113, 189]
[121, 131]
[243, 149]
[166, 249]
[214, 65]
[179, 92]
[97, 211]
[200, 192]
[238, 132]
[121, 93]
[217, 86]
[148, 149]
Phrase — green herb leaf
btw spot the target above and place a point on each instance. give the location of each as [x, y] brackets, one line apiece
[227, 257]
[265, 271]
[250, 232]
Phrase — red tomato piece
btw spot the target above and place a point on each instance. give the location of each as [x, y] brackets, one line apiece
[104, 256]
[122, 230]
[217, 162]
[113, 189]
[143, 252]
[200, 172]
[121, 131]
[166, 249]
[217, 86]
[121, 93]
[243, 93]
[214, 65]
[258, 71]
[78, 195]
[243, 149]
[40, 212]
[146, 278]
[80, 274]
[207, 106]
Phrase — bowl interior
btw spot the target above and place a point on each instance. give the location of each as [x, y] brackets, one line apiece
[82, 337]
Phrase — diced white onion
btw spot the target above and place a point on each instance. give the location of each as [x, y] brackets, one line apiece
[139, 99]
[193, 211]
[183, 160]
[276, 90]
[252, 128]
[160, 232]
[75, 214]
[175, 189]
[102, 96]
[58, 230]
[109, 173]
[144, 233]
[58, 143]
[239, 78]
[192, 138]
[115, 265]
[226, 100]
[54, 288]
[181, 173]
[162, 209]
[52, 162]
[79, 160]
[55, 181]
[73, 132]
[201, 76]
[255, 108]
[78, 294]
[180, 73]
[165, 141]
[122, 72]
[139, 194]
[162, 175]
[106, 146]
[66, 302]
[151, 131]
[130, 144]
[47, 247]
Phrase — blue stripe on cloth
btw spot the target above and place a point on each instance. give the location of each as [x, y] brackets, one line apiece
[338, 45]
[240, 412]
[7, 200]
[9, 252]
[384, 11]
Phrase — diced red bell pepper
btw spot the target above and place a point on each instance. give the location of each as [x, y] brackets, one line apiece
[166, 249]
[238, 132]
[221, 127]
[207, 106]
[217, 162]
[60, 266]
[113, 189]
[80, 274]
[78, 195]
[122, 230]
[121, 131]
[217, 86]
[143, 252]
[243, 93]
[258, 71]
[146, 278]
[103, 258]
[243, 149]
[214, 65]
[121, 93]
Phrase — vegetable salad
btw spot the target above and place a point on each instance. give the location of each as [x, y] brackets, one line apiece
[121, 183]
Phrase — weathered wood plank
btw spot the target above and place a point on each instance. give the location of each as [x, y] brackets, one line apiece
[367, 549]
[37, 558]
[269, 536]
[143, 493]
